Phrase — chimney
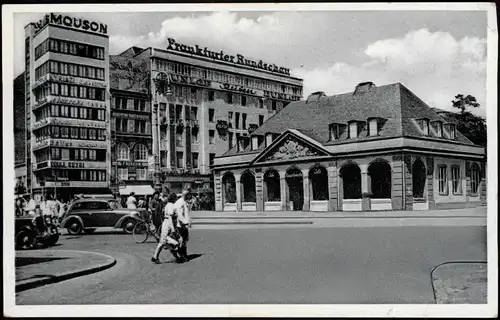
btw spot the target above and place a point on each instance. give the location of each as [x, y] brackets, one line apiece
[363, 87]
[315, 96]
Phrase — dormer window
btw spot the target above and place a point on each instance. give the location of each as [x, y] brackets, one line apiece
[373, 127]
[269, 139]
[255, 142]
[424, 126]
[353, 129]
[452, 131]
[336, 130]
[439, 129]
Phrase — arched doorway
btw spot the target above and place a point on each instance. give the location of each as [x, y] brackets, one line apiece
[229, 192]
[381, 185]
[419, 180]
[248, 192]
[272, 190]
[295, 183]
[351, 187]
[318, 179]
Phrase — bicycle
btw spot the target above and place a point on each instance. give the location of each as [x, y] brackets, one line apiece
[144, 229]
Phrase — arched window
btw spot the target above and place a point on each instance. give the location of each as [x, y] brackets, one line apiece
[380, 174]
[419, 178]
[318, 176]
[248, 184]
[229, 188]
[351, 178]
[475, 178]
[123, 152]
[272, 181]
[141, 152]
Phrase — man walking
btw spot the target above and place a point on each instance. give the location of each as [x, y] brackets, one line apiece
[183, 221]
[156, 211]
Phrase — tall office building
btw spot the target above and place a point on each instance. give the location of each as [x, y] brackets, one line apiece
[67, 106]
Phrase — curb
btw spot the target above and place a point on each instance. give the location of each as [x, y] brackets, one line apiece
[33, 283]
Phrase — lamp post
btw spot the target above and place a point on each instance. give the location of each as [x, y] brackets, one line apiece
[162, 86]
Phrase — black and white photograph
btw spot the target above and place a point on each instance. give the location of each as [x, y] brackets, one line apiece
[280, 159]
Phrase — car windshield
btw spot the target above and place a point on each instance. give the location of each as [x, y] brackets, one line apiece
[114, 204]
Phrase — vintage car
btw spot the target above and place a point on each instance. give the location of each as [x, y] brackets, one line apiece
[31, 232]
[85, 215]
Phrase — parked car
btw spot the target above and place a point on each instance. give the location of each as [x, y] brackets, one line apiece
[85, 215]
[31, 232]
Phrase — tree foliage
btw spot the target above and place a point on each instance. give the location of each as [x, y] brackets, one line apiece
[470, 125]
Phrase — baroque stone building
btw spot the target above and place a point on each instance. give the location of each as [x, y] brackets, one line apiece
[376, 148]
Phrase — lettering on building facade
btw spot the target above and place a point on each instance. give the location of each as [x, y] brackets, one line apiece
[232, 87]
[190, 80]
[77, 102]
[280, 96]
[221, 56]
[67, 164]
[71, 22]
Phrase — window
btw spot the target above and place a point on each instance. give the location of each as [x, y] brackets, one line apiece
[136, 104]
[273, 105]
[123, 173]
[194, 135]
[230, 98]
[237, 120]
[244, 120]
[211, 136]
[455, 180]
[230, 139]
[261, 103]
[353, 130]
[180, 159]
[194, 113]
[83, 133]
[141, 152]
[101, 135]
[261, 120]
[123, 152]
[334, 132]
[439, 129]
[211, 114]
[453, 131]
[442, 180]
[124, 103]
[211, 96]
[475, 178]
[244, 101]
[64, 132]
[178, 139]
[195, 159]
[92, 134]
[211, 158]
[425, 126]
[141, 174]
[373, 127]
[269, 139]
[74, 133]
[255, 142]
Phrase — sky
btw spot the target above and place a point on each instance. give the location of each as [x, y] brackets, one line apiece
[436, 54]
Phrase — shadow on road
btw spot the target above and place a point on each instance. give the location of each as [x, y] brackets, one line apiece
[193, 256]
[26, 261]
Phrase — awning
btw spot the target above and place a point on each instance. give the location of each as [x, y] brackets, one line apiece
[139, 190]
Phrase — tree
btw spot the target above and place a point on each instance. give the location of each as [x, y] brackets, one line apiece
[460, 102]
[470, 125]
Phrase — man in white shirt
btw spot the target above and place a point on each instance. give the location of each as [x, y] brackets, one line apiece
[131, 201]
[30, 206]
[183, 221]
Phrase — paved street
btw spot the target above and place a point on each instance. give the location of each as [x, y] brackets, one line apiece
[282, 265]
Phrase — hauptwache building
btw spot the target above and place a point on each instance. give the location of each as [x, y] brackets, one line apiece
[67, 106]
[376, 148]
[202, 101]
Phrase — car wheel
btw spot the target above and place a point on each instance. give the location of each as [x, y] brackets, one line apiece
[25, 240]
[89, 231]
[75, 227]
[128, 226]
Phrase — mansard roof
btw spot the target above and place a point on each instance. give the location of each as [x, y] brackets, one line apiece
[394, 103]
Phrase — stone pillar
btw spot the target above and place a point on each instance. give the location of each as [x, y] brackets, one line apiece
[259, 194]
[306, 187]
[219, 206]
[332, 186]
[238, 192]
[365, 188]
[484, 183]
[430, 182]
[283, 192]
[398, 184]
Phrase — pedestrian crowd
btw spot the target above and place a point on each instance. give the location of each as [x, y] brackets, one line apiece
[48, 205]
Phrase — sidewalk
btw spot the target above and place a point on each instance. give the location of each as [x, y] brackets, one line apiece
[36, 268]
[477, 212]
[460, 282]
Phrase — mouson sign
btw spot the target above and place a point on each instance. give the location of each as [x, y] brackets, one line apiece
[71, 22]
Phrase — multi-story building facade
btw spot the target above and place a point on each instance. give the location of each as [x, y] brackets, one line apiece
[201, 106]
[131, 134]
[67, 106]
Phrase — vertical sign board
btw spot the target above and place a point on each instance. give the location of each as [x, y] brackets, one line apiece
[151, 163]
